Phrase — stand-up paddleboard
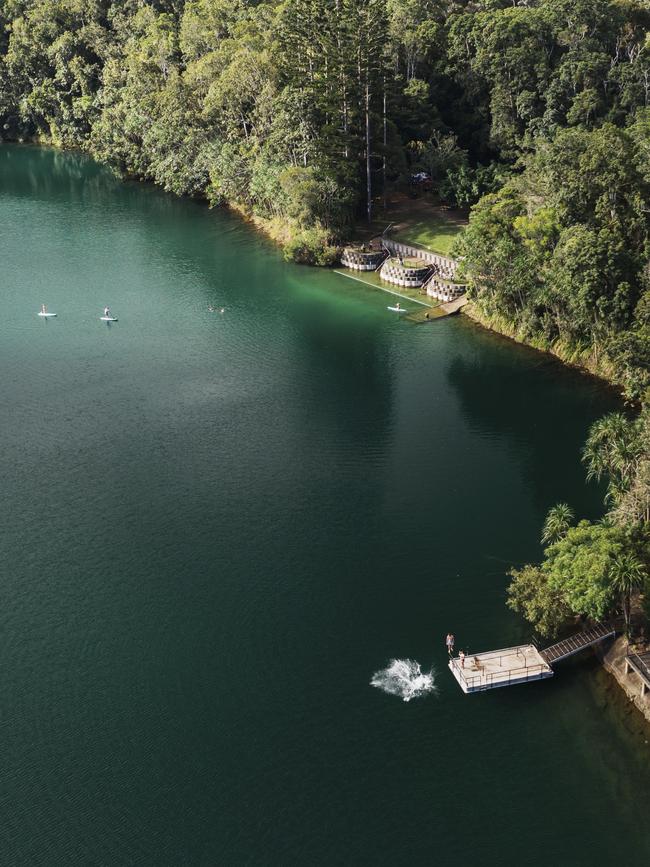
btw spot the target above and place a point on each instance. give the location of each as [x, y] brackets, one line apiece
[47, 315]
[108, 318]
[396, 309]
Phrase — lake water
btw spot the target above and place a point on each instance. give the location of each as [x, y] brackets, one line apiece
[217, 528]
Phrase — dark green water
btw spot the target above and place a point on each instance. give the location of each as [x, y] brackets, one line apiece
[217, 528]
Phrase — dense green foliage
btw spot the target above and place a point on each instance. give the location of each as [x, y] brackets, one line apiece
[561, 251]
[296, 110]
[574, 577]
[305, 110]
[559, 254]
[591, 570]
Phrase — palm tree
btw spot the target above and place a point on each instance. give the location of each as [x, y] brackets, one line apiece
[627, 574]
[557, 522]
[634, 506]
[613, 449]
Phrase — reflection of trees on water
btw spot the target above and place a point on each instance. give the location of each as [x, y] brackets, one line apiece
[75, 179]
[543, 409]
[129, 219]
[37, 172]
[144, 230]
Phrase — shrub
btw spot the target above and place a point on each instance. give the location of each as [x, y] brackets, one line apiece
[311, 247]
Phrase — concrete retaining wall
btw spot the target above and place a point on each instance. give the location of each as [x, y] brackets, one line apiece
[402, 275]
[445, 266]
[445, 291]
[359, 260]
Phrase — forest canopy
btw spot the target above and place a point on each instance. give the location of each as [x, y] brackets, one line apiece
[303, 112]
[533, 114]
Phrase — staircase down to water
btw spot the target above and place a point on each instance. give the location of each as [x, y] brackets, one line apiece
[569, 646]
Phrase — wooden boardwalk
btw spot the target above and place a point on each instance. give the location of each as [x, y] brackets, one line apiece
[576, 643]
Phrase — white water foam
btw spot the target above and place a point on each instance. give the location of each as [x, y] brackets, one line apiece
[405, 678]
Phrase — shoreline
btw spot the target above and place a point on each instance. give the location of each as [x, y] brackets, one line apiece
[613, 662]
[567, 356]
[272, 229]
[280, 234]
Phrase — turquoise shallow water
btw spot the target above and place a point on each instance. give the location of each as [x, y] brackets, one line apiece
[216, 528]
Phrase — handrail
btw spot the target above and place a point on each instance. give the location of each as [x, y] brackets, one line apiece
[639, 666]
[578, 641]
[502, 650]
[383, 258]
[434, 273]
[489, 677]
[418, 251]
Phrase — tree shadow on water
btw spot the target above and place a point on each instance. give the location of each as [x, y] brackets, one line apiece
[541, 407]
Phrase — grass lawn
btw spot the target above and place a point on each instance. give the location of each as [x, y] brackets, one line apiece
[434, 231]
[407, 262]
[415, 221]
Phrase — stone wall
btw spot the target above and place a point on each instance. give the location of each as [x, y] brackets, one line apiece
[403, 275]
[443, 290]
[445, 266]
[362, 260]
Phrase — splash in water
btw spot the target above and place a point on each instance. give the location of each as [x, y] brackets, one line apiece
[405, 678]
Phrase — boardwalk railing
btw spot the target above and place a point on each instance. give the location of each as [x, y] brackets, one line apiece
[575, 643]
[486, 680]
[640, 665]
[446, 265]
